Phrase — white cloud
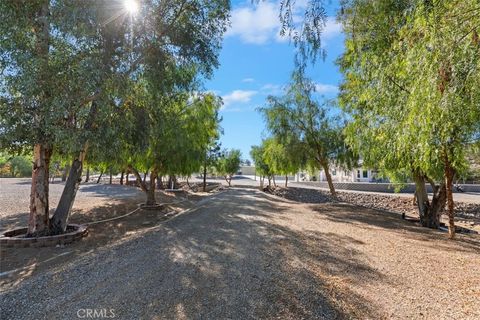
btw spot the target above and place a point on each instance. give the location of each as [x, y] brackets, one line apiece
[260, 24]
[271, 88]
[248, 80]
[255, 24]
[325, 88]
[238, 96]
[332, 28]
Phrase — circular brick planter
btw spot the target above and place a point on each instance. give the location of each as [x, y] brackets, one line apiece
[157, 206]
[15, 238]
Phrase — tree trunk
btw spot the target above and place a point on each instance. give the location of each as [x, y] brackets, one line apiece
[172, 182]
[87, 177]
[151, 189]
[329, 179]
[39, 210]
[111, 175]
[126, 178]
[65, 172]
[121, 178]
[59, 220]
[205, 177]
[449, 173]
[429, 212]
[145, 176]
[100, 177]
[261, 182]
[159, 182]
[140, 183]
[38, 217]
[274, 183]
[229, 180]
[286, 181]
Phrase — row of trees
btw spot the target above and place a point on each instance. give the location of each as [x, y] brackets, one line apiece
[410, 93]
[86, 80]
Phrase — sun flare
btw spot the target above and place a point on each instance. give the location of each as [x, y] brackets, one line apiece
[131, 6]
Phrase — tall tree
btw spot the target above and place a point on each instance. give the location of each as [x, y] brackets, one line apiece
[67, 64]
[261, 166]
[297, 114]
[212, 153]
[171, 139]
[411, 87]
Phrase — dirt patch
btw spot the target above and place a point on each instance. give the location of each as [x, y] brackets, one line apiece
[107, 224]
[467, 214]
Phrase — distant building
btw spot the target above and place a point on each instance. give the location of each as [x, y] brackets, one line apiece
[355, 175]
[247, 170]
[338, 174]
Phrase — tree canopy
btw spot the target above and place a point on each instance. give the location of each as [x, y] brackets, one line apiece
[228, 164]
[298, 116]
[411, 88]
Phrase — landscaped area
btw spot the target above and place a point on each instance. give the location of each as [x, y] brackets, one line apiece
[236, 159]
[241, 253]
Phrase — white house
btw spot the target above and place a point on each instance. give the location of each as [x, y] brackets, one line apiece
[338, 174]
[355, 175]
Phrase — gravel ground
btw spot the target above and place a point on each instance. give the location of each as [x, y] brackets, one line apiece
[15, 197]
[394, 203]
[246, 255]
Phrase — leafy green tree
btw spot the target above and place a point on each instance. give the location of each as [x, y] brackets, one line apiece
[297, 114]
[411, 87]
[67, 67]
[229, 164]
[284, 158]
[171, 139]
[212, 153]
[261, 166]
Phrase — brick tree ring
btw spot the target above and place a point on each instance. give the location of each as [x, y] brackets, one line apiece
[15, 238]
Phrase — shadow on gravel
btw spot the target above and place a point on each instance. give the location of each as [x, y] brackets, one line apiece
[371, 219]
[110, 190]
[99, 234]
[229, 259]
[250, 267]
[13, 221]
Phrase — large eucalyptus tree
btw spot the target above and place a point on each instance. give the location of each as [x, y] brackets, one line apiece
[66, 66]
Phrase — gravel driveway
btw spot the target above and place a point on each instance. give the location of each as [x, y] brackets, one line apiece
[244, 255]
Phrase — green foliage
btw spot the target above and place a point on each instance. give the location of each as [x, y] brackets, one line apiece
[17, 166]
[21, 166]
[283, 159]
[169, 133]
[60, 56]
[258, 155]
[411, 71]
[229, 163]
[305, 33]
[301, 124]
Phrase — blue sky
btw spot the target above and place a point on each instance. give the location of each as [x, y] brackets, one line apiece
[255, 62]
